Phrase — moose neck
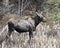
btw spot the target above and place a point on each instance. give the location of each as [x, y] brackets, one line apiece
[37, 20]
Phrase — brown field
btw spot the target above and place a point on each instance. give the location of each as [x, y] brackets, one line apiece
[47, 35]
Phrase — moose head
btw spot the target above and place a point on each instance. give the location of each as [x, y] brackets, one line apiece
[39, 18]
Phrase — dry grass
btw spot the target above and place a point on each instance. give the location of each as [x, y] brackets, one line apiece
[47, 35]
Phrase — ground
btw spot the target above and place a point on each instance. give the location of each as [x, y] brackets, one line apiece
[47, 35]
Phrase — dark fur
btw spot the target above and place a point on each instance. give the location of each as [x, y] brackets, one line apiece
[27, 25]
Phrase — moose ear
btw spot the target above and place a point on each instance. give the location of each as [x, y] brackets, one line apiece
[39, 14]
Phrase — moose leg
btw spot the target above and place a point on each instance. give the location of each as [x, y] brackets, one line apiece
[10, 29]
[30, 34]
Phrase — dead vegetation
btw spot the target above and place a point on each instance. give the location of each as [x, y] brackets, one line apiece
[47, 35]
[43, 37]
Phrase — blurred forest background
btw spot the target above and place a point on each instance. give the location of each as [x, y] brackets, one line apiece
[47, 34]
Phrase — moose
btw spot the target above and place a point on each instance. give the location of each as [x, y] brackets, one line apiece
[23, 25]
